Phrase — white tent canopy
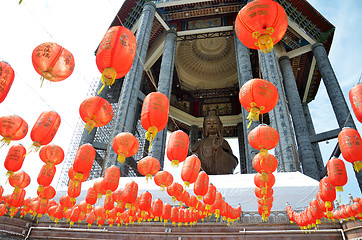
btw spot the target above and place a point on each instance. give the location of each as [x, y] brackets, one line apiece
[292, 187]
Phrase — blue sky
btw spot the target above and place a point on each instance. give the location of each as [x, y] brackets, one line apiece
[80, 25]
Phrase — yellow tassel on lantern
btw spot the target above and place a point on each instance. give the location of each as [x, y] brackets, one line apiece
[108, 77]
[5, 140]
[357, 166]
[175, 163]
[151, 134]
[265, 43]
[121, 157]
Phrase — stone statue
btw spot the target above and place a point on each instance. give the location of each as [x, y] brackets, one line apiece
[214, 152]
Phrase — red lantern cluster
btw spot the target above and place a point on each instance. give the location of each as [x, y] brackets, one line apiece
[350, 144]
[261, 24]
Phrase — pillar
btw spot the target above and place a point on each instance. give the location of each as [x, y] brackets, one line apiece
[243, 63]
[125, 115]
[241, 140]
[315, 146]
[164, 86]
[193, 135]
[305, 150]
[334, 92]
[285, 151]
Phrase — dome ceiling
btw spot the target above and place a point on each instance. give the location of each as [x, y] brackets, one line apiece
[207, 63]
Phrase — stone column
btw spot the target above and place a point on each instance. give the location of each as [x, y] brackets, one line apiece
[279, 116]
[335, 93]
[242, 54]
[193, 135]
[242, 154]
[315, 146]
[127, 104]
[164, 86]
[305, 150]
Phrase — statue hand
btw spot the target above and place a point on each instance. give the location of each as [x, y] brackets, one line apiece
[216, 143]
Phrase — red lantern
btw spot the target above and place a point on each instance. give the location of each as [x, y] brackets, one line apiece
[14, 159]
[19, 179]
[350, 144]
[145, 202]
[130, 192]
[12, 128]
[47, 193]
[84, 159]
[201, 185]
[45, 176]
[263, 138]
[166, 212]
[258, 96]
[175, 190]
[177, 147]
[163, 179]
[148, 166]
[337, 173]
[72, 175]
[91, 217]
[111, 178]
[95, 112]
[91, 197]
[355, 97]
[52, 62]
[268, 180]
[115, 54]
[74, 215]
[327, 193]
[100, 186]
[260, 193]
[261, 24]
[74, 190]
[190, 170]
[7, 76]
[210, 196]
[157, 209]
[174, 215]
[125, 145]
[108, 203]
[45, 129]
[265, 164]
[51, 154]
[154, 114]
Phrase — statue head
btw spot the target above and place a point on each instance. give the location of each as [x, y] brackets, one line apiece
[212, 124]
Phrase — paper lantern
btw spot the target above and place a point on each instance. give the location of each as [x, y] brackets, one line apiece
[74, 215]
[265, 163]
[154, 114]
[12, 128]
[263, 138]
[130, 192]
[350, 144]
[74, 190]
[125, 145]
[210, 196]
[51, 154]
[268, 180]
[163, 179]
[95, 112]
[19, 179]
[258, 96]
[174, 215]
[355, 97]
[45, 129]
[201, 185]
[52, 62]
[337, 173]
[166, 212]
[7, 76]
[115, 54]
[260, 193]
[327, 193]
[45, 176]
[111, 178]
[177, 147]
[47, 193]
[174, 190]
[261, 24]
[83, 160]
[108, 203]
[14, 159]
[148, 166]
[157, 209]
[100, 186]
[190, 170]
[145, 202]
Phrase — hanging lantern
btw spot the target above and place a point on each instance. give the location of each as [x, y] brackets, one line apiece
[201, 185]
[72, 174]
[95, 112]
[174, 190]
[327, 193]
[12, 128]
[115, 54]
[19, 179]
[100, 186]
[163, 179]
[125, 145]
[263, 138]
[258, 96]
[148, 166]
[317, 213]
[145, 202]
[44, 129]
[166, 212]
[355, 97]
[154, 114]
[350, 144]
[111, 178]
[47, 193]
[177, 147]
[83, 160]
[45, 176]
[14, 159]
[337, 173]
[265, 164]
[174, 215]
[51, 154]
[74, 215]
[7, 76]
[157, 209]
[210, 196]
[129, 194]
[74, 190]
[261, 24]
[52, 62]
[190, 170]
[108, 203]
[264, 181]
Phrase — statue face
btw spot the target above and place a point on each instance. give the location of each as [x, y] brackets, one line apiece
[211, 123]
